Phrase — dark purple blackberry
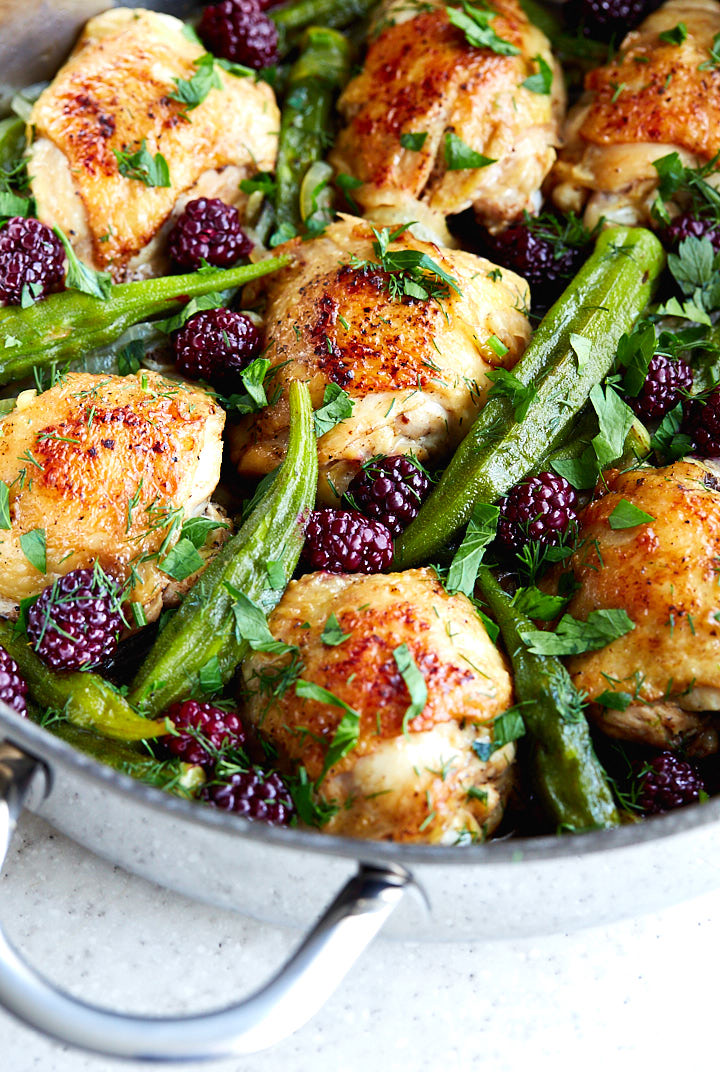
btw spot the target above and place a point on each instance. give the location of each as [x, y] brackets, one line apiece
[701, 422]
[215, 345]
[343, 541]
[664, 386]
[254, 794]
[75, 622]
[390, 490]
[603, 19]
[13, 687]
[239, 30]
[208, 230]
[201, 730]
[540, 508]
[687, 225]
[538, 258]
[32, 259]
[667, 782]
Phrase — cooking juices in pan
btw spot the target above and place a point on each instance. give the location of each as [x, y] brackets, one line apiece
[362, 412]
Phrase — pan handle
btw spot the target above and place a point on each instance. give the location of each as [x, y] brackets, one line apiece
[288, 1001]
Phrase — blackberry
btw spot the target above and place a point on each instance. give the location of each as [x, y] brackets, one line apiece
[75, 622]
[13, 687]
[687, 225]
[239, 30]
[390, 490]
[701, 422]
[603, 19]
[215, 345]
[32, 259]
[539, 256]
[201, 730]
[540, 508]
[254, 794]
[664, 385]
[667, 782]
[208, 230]
[343, 541]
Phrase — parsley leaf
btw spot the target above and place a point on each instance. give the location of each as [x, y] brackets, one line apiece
[347, 183]
[414, 142]
[572, 637]
[540, 83]
[714, 60]
[251, 624]
[213, 300]
[277, 577]
[415, 682]
[332, 634]
[507, 385]
[210, 676]
[676, 36]
[12, 204]
[582, 348]
[5, 522]
[466, 561]
[460, 157]
[312, 808]
[80, 276]
[142, 166]
[627, 516]
[668, 441]
[615, 701]
[337, 405]
[615, 418]
[196, 529]
[262, 183]
[192, 91]
[253, 378]
[475, 24]
[182, 560]
[411, 272]
[634, 354]
[33, 546]
[347, 732]
[538, 605]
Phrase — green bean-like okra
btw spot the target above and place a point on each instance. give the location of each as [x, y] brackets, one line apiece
[603, 301]
[291, 19]
[567, 775]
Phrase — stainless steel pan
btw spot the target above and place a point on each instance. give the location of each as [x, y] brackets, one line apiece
[504, 888]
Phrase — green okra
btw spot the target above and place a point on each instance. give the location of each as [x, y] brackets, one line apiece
[85, 699]
[291, 19]
[603, 301]
[205, 628]
[568, 777]
[67, 325]
[322, 68]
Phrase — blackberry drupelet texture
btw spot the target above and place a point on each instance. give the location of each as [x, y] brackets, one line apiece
[701, 423]
[208, 230]
[390, 490]
[13, 687]
[603, 19]
[32, 260]
[343, 541]
[668, 782]
[540, 508]
[215, 345]
[75, 622]
[687, 225]
[254, 794]
[202, 730]
[239, 30]
[546, 267]
[666, 383]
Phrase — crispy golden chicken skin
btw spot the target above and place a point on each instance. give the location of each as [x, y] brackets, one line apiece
[422, 77]
[102, 464]
[114, 93]
[654, 98]
[425, 784]
[416, 369]
[664, 573]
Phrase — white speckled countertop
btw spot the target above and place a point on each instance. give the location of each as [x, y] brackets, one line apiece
[635, 994]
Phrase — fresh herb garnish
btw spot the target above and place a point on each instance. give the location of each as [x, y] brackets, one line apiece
[475, 24]
[415, 682]
[251, 624]
[507, 385]
[573, 637]
[676, 36]
[411, 273]
[182, 560]
[414, 142]
[143, 166]
[668, 441]
[5, 522]
[192, 91]
[80, 276]
[469, 555]
[347, 731]
[332, 634]
[33, 546]
[627, 516]
[538, 605]
[337, 406]
[540, 83]
[460, 157]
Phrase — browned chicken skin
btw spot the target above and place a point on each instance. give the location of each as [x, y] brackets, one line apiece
[102, 464]
[422, 77]
[416, 370]
[654, 98]
[392, 785]
[114, 93]
[664, 573]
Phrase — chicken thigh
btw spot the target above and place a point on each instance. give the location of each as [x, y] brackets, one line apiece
[655, 97]
[114, 95]
[102, 466]
[416, 369]
[433, 776]
[423, 85]
[665, 573]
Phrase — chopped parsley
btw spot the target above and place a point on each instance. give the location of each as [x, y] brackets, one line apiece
[627, 516]
[414, 142]
[415, 682]
[507, 385]
[182, 560]
[347, 731]
[573, 637]
[192, 91]
[5, 522]
[33, 546]
[80, 276]
[143, 166]
[460, 157]
[475, 24]
[541, 82]
[410, 272]
[337, 406]
[332, 634]
[469, 555]
[676, 36]
[251, 624]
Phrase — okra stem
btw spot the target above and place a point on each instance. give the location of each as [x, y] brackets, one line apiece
[291, 18]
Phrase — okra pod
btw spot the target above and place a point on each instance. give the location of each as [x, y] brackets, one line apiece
[205, 627]
[568, 776]
[322, 68]
[292, 18]
[603, 301]
[86, 699]
[67, 325]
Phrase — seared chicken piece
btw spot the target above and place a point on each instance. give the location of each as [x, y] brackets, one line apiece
[114, 94]
[421, 77]
[103, 465]
[424, 784]
[416, 369]
[664, 573]
[654, 98]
